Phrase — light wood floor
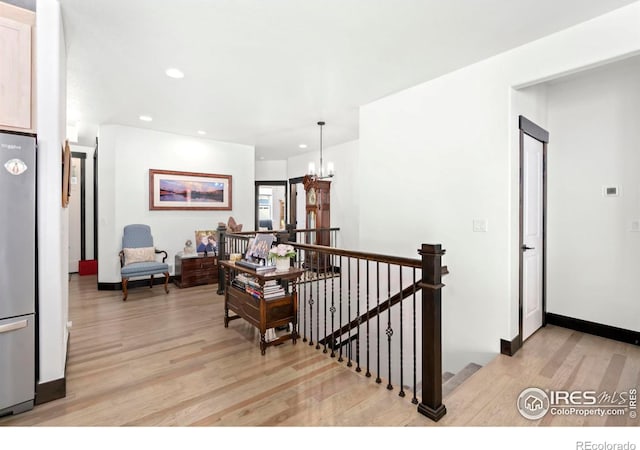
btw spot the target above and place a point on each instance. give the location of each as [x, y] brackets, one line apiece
[166, 359]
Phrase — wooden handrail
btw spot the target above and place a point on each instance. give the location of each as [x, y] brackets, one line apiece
[307, 230]
[398, 260]
[283, 230]
[387, 259]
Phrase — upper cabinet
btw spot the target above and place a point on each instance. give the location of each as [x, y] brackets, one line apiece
[17, 81]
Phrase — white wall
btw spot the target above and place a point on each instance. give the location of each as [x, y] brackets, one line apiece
[125, 156]
[445, 150]
[88, 196]
[344, 188]
[271, 170]
[593, 256]
[52, 218]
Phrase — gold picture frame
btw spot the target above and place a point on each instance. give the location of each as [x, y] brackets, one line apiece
[172, 190]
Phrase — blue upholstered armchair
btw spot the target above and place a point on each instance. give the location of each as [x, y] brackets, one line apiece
[138, 257]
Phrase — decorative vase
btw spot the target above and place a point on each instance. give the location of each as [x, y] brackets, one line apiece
[282, 264]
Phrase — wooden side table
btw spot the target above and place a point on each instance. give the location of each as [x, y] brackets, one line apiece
[254, 308]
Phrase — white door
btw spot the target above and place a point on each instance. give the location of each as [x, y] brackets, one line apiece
[532, 235]
[75, 208]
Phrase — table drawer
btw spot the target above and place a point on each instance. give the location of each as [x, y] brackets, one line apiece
[198, 264]
[245, 305]
[192, 280]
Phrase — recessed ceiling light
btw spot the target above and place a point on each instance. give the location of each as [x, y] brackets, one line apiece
[174, 73]
[302, 145]
[146, 118]
[202, 133]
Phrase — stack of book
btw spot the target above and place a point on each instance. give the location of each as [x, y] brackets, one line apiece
[251, 286]
[241, 281]
[272, 289]
[258, 267]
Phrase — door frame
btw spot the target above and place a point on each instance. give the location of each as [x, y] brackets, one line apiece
[293, 203]
[83, 209]
[258, 184]
[526, 126]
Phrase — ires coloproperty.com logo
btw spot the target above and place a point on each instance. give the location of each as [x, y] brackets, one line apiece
[535, 403]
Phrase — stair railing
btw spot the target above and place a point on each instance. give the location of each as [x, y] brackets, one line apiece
[382, 307]
[379, 313]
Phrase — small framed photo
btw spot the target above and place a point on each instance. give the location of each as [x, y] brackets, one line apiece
[206, 241]
[171, 190]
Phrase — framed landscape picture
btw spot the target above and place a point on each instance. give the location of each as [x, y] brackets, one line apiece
[171, 190]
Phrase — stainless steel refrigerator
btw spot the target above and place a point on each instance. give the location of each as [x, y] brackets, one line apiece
[17, 272]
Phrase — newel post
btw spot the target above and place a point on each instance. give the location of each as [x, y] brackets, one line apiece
[291, 229]
[282, 237]
[431, 405]
[221, 231]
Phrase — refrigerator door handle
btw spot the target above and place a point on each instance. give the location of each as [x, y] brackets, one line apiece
[13, 326]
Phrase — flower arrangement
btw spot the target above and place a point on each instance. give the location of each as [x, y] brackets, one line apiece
[282, 251]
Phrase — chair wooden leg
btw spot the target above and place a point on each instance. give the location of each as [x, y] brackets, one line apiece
[151, 281]
[166, 282]
[124, 289]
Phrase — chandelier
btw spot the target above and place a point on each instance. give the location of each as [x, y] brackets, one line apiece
[322, 172]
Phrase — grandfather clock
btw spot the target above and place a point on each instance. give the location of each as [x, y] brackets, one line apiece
[318, 210]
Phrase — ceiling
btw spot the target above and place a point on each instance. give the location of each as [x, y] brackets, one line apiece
[263, 73]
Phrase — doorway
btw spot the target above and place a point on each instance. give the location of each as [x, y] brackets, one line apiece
[271, 205]
[77, 211]
[297, 203]
[533, 227]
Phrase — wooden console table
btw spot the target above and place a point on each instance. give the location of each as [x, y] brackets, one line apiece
[195, 270]
[260, 312]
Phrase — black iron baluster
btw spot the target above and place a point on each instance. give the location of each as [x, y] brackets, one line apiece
[304, 298]
[340, 305]
[318, 300]
[414, 400]
[333, 308]
[311, 302]
[368, 372]
[299, 285]
[358, 368]
[378, 379]
[324, 309]
[389, 330]
[401, 393]
[349, 308]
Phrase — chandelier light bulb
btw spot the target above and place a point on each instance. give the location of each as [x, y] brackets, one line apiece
[323, 172]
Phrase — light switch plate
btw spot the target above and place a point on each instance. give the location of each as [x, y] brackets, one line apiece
[480, 225]
[635, 226]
